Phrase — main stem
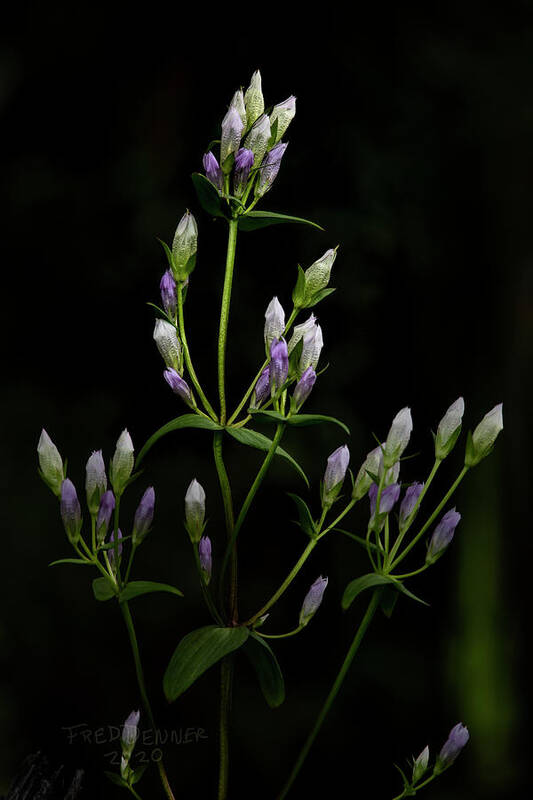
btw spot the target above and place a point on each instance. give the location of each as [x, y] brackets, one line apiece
[224, 316]
[142, 688]
[365, 622]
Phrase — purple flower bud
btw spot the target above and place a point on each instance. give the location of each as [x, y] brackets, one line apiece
[107, 506]
[258, 138]
[130, 733]
[111, 551]
[50, 462]
[212, 170]
[312, 347]
[195, 510]
[313, 599]
[388, 499]
[230, 139]
[168, 293]
[179, 386]
[282, 114]
[442, 535]
[279, 364]
[204, 552]
[269, 169]
[253, 98]
[262, 389]
[70, 510]
[122, 463]
[334, 475]
[420, 765]
[243, 164]
[303, 388]
[372, 464]
[274, 322]
[412, 493]
[143, 516]
[95, 480]
[453, 745]
[398, 437]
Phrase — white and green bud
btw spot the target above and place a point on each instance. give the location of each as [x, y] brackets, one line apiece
[299, 332]
[253, 98]
[449, 429]
[230, 138]
[481, 442]
[184, 247]
[317, 278]
[122, 463]
[237, 103]
[50, 463]
[130, 732]
[398, 437]
[95, 481]
[372, 464]
[313, 600]
[258, 139]
[168, 344]
[420, 765]
[281, 117]
[195, 510]
[311, 348]
[274, 322]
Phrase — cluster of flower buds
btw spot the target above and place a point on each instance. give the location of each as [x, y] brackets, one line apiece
[250, 142]
[456, 741]
[130, 733]
[334, 475]
[312, 285]
[312, 600]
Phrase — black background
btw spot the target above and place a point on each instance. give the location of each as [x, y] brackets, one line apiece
[412, 146]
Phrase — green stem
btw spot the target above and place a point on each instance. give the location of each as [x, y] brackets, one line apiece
[280, 635]
[361, 630]
[115, 539]
[413, 514]
[416, 788]
[224, 316]
[190, 369]
[226, 681]
[225, 489]
[205, 589]
[124, 607]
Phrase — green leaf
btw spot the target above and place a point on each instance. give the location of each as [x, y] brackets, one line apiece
[299, 290]
[208, 195]
[359, 539]
[137, 588]
[267, 669]
[185, 421]
[303, 420]
[262, 219]
[116, 779]
[268, 416]
[103, 589]
[388, 600]
[139, 772]
[80, 561]
[358, 585]
[321, 295]
[306, 523]
[196, 652]
[168, 253]
[261, 442]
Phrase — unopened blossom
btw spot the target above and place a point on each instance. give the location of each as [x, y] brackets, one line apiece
[334, 475]
[317, 276]
[313, 599]
[144, 516]
[269, 169]
[168, 344]
[122, 463]
[412, 493]
[179, 386]
[206, 560]
[299, 332]
[50, 463]
[184, 246]
[130, 733]
[167, 288]
[253, 99]
[420, 764]
[442, 535]
[237, 102]
[449, 429]
[105, 510]
[262, 389]
[279, 364]
[457, 739]
[95, 481]
[387, 501]
[243, 164]
[484, 436]
[274, 322]
[230, 140]
[398, 437]
[258, 138]
[212, 170]
[303, 388]
[312, 347]
[70, 510]
[111, 551]
[195, 510]
[364, 480]
[282, 116]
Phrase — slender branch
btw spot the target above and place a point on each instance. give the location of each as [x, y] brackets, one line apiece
[225, 489]
[224, 316]
[188, 362]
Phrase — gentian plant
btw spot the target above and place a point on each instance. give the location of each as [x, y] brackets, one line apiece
[239, 170]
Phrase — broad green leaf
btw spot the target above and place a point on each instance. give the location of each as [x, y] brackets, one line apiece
[321, 295]
[267, 669]
[103, 589]
[71, 561]
[302, 420]
[306, 523]
[261, 442]
[262, 219]
[185, 421]
[388, 600]
[196, 652]
[208, 195]
[371, 580]
[136, 588]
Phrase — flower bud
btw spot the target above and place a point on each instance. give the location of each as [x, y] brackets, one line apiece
[262, 389]
[50, 462]
[168, 344]
[274, 322]
[143, 516]
[387, 501]
[279, 364]
[107, 506]
[449, 429]
[184, 247]
[204, 553]
[334, 475]
[111, 551]
[412, 493]
[237, 103]
[243, 164]
[317, 277]
[299, 332]
[420, 765]
[312, 347]
[168, 293]
[313, 599]
[258, 138]
[281, 117]
[230, 140]
[398, 437]
[70, 510]
[269, 169]
[212, 170]
[482, 440]
[129, 734]
[179, 386]
[442, 535]
[95, 481]
[371, 464]
[253, 98]
[391, 474]
[122, 463]
[303, 388]
[451, 748]
[195, 510]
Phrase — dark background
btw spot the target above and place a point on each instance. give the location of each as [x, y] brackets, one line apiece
[412, 146]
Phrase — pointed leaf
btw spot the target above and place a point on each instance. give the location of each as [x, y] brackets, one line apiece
[267, 669]
[137, 588]
[198, 651]
[268, 416]
[103, 589]
[388, 600]
[321, 295]
[185, 421]
[115, 778]
[303, 420]
[208, 195]
[359, 539]
[80, 561]
[306, 523]
[298, 292]
[262, 219]
[261, 442]
[371, 580]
